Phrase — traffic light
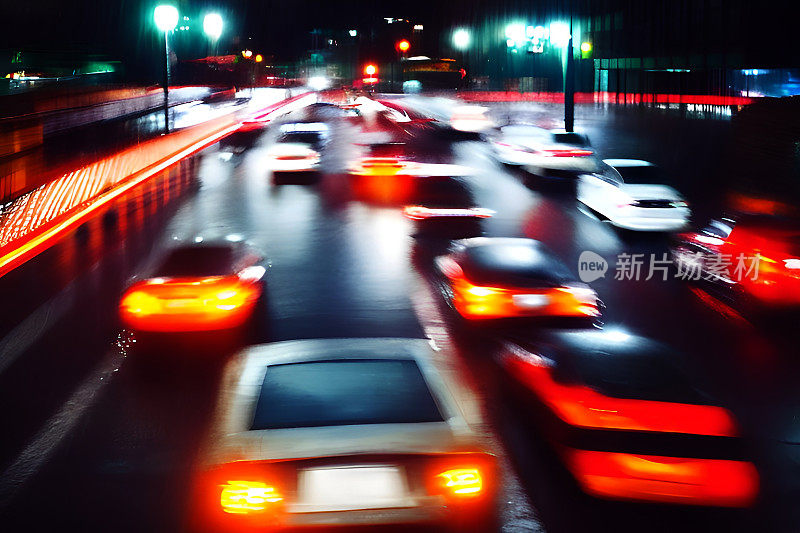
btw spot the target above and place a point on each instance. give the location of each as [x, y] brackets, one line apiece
[586, 50]
[403, 45]
[370, 70]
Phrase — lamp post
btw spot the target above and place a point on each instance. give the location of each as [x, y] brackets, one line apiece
[166, 18]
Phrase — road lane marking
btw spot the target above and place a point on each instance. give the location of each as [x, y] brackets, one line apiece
[42, 447]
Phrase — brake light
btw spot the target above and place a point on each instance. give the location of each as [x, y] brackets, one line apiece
[479, 302]
[245, 497]
[715, 482]
[584, 407]
[188, 304]
[296, 157]
[418, 212]
[567, 152]
[462, 481]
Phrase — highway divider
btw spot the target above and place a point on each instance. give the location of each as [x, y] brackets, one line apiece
[32, 223]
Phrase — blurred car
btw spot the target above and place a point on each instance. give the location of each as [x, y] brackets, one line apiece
[627, 421]
[496, 278]
[384, 159]
[341, 432]
[628, 194]
[296, 152]
[196, 287]
[544, 152]
[751, 261]
[314, 134]
[445, 205]
[470, 118]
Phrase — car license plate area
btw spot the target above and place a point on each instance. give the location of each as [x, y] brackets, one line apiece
[530, 301]
[351, 488]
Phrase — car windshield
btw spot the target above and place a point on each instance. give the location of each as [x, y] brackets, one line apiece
[640, 174]
[344, 392]
[197, 261]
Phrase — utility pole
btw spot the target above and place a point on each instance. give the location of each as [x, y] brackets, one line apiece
[569, 85]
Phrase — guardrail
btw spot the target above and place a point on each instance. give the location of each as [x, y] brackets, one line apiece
[32, 223]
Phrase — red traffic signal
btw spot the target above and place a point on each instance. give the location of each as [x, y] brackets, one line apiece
[403, 45]
[370, 70]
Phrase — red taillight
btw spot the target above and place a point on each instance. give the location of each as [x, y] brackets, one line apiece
[567, 152]
[480, 302]
[238, 496]
[461, 482]
[188, 304]
[461, 478]
[295, 157]
[691, 481]
[581, 406]
[248, 497]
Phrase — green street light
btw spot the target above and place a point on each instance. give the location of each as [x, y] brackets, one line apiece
[166, 17]
[461, 39]
[212, 25]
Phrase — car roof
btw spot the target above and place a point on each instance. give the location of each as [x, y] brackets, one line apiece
[628, 163]
[217, 257]
[514, 262]
[231, 436]
[523, 129]
[619, 363]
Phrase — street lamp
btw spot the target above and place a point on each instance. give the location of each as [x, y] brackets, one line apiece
[212, 25]
[461, 39]
[166, 18]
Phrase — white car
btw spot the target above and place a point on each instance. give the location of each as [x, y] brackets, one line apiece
[628, 195]
[545, 152]
[292, 157]
[341, 433]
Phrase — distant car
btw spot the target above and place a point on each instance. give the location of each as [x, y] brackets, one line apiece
[445, 205]
[341, 433]
[296, 151]
[749, 261]
[627, 421]
[314, 134]
[629, 194]
[546, 153]
[384, 159]
[498, 278]
[197, 287]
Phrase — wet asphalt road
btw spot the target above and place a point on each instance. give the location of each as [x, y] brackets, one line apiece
[101, 438]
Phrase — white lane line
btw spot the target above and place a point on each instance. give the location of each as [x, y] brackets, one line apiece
[47, 441]
[26, 333]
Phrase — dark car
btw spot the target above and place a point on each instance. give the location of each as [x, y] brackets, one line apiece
[200, 286]
[627, 421]
[512, 278]
[444, 206]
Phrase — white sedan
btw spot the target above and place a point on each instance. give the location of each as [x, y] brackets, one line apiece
[628, 195]
[545, 152]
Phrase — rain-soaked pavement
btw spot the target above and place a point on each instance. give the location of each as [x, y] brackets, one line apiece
[97, 438]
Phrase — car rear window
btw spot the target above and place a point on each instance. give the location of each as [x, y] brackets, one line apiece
[306, 137]
[649, 175]
[442, 192]
[344, 392]
[574, 139]
[197, 261]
